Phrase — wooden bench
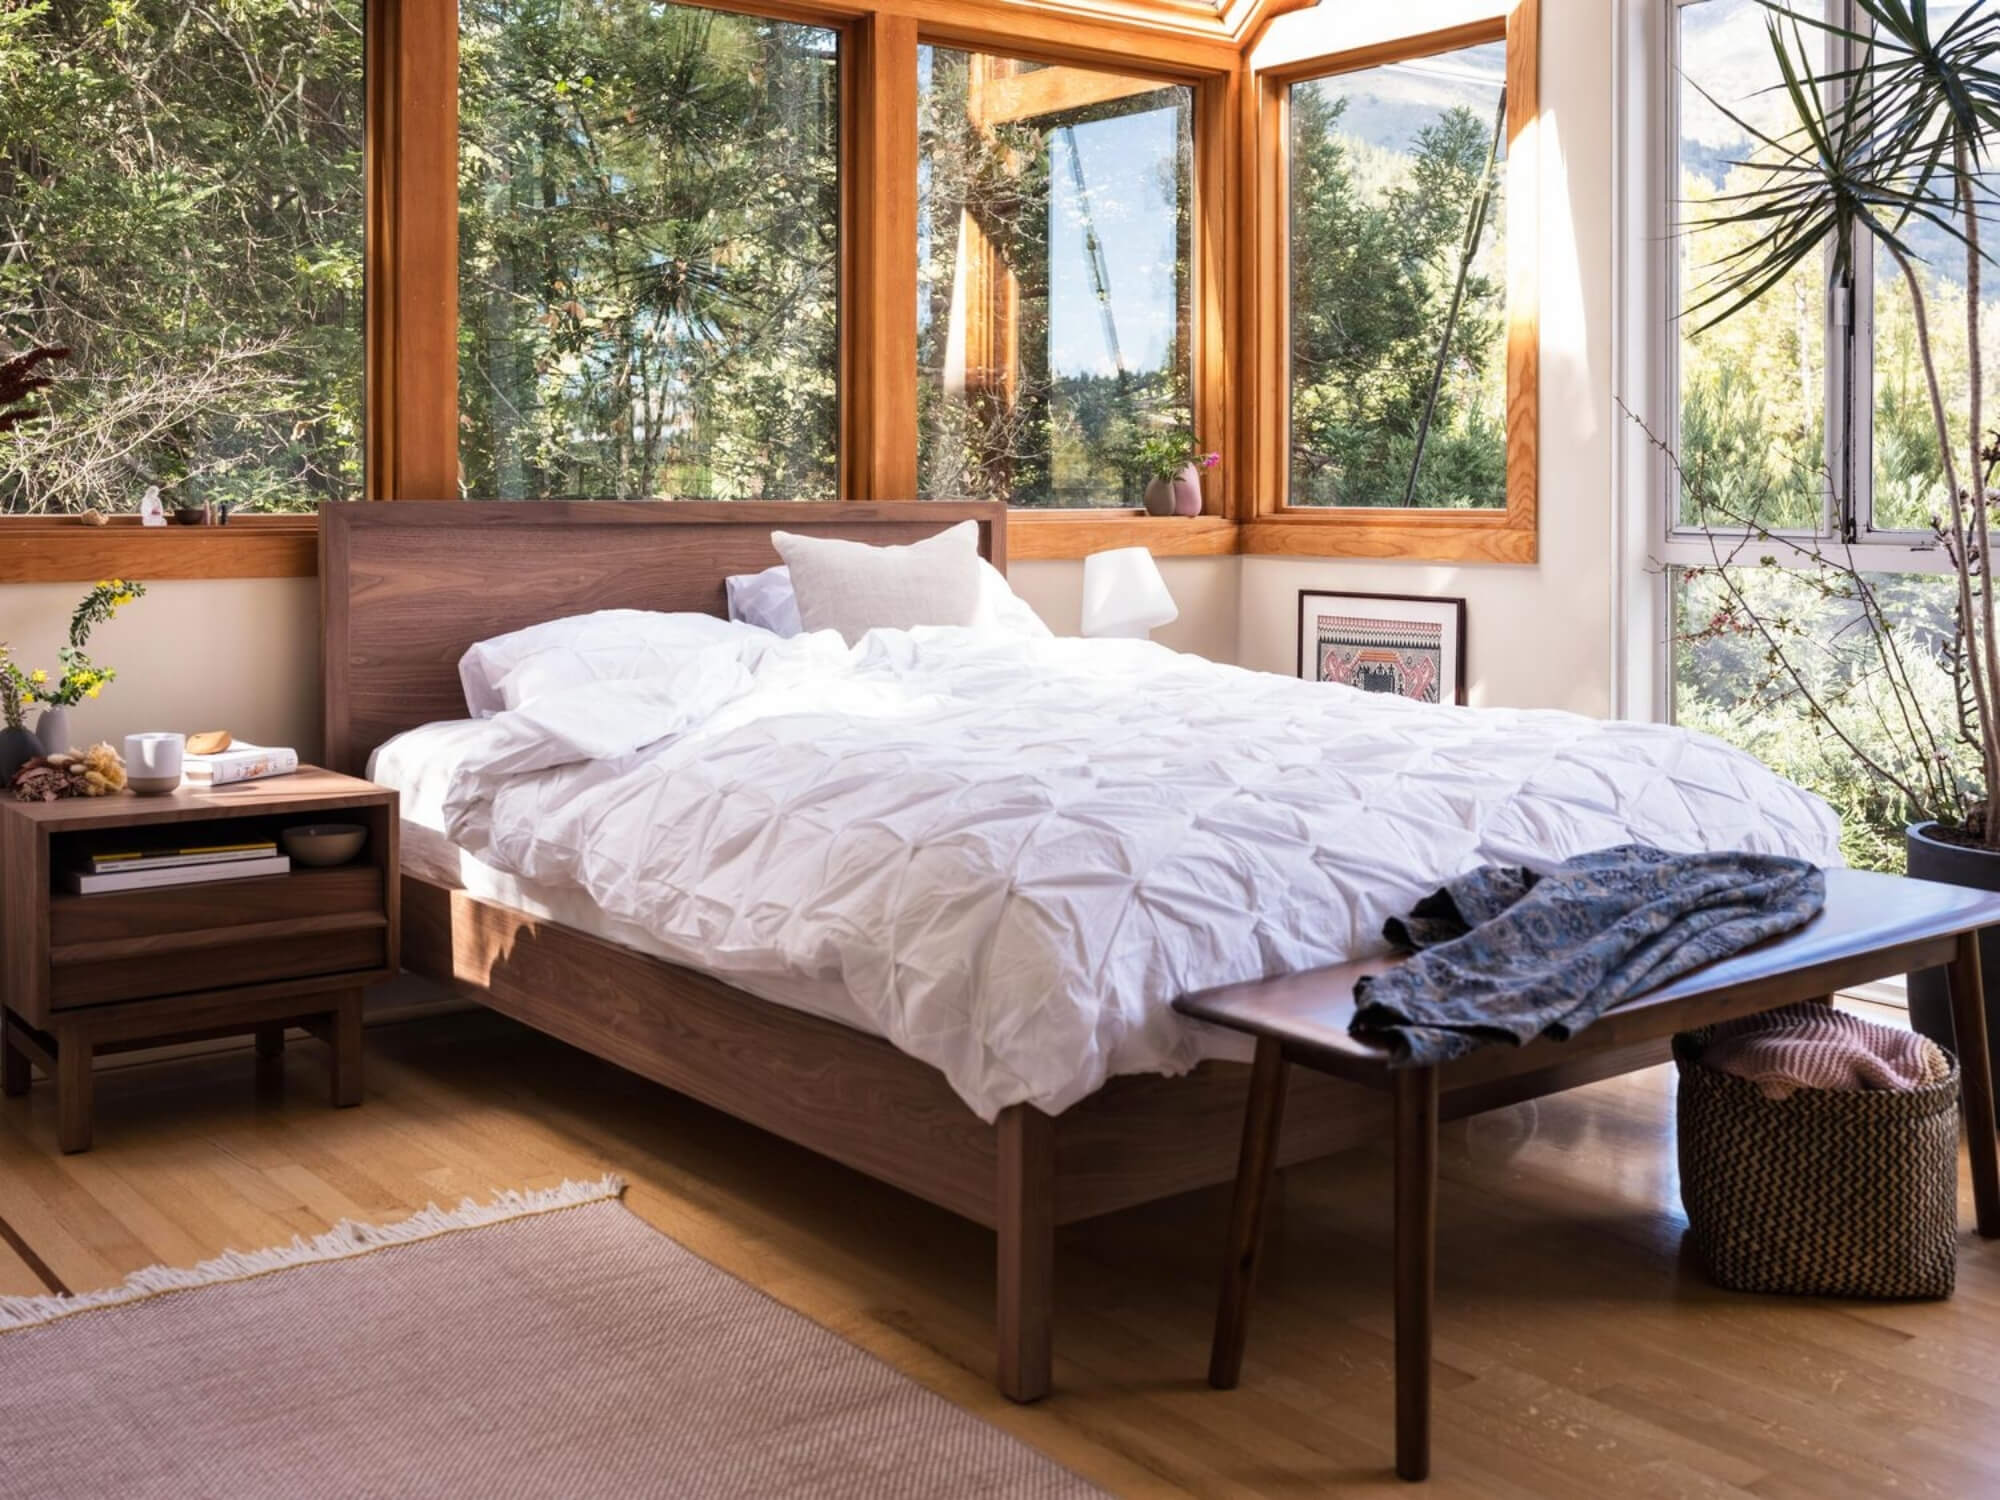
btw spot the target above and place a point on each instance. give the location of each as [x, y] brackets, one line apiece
[1873, 927]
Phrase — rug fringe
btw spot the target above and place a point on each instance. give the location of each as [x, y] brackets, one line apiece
[347, 1238]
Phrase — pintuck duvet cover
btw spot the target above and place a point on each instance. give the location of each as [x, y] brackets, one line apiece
[1014, 854]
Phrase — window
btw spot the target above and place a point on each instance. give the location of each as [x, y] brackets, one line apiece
[181, 206]
[1055, 208]
[648, 252]
[1806, 412]
[1398, 288]
[1803, 427]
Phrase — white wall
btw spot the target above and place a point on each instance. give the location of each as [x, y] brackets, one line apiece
[1539, 635]
[240, 654]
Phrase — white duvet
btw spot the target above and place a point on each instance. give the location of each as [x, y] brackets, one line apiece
[1014, 854]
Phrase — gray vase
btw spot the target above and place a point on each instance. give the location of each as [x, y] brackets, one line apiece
[52, 729]
[1159, 497]
[17, 748]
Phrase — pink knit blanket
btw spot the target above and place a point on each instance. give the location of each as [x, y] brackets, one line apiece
[1814, 1046]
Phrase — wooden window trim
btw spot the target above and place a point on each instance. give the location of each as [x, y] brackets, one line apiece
[1039, 535]
[1273, 526]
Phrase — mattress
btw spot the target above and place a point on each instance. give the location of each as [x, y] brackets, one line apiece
[420, 764]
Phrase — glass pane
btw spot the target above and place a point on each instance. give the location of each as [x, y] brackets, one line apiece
[181, 206]
[648, 252]
[1752, 388]
[1053, 212]
[1909, 471]
[1726, 683]
[1399, 284]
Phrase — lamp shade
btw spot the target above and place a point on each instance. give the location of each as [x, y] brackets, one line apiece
[1124, 594]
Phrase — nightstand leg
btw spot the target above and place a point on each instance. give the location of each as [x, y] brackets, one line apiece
[271, 1041]
[344, 1034]
[73, 1090]
[15, 1069]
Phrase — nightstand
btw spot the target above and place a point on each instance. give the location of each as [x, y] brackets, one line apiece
[81, 974]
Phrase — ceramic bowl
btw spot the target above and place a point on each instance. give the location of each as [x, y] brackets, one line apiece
[320, 844]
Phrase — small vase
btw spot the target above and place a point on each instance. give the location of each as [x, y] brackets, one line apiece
[17, 748]
[1160, 497]
[1187, 492]
[52, 729]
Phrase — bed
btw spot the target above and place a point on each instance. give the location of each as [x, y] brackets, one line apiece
[408, 588]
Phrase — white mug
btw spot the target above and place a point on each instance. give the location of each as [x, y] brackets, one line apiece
[153, 762]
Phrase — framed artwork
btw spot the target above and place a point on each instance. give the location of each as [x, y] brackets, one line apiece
[1411, 645]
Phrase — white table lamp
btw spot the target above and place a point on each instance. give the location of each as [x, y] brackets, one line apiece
[1124, 594]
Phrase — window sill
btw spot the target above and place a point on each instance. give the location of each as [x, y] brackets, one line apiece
[1403, 535]
[38, 549]
[1034, 536]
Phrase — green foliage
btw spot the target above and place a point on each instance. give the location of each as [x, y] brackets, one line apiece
[648, 243]
[1375, 250]
[1739, 639]
[181, 195]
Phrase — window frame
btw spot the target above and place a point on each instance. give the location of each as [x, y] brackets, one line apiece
[1505, 535]
[1848, 512]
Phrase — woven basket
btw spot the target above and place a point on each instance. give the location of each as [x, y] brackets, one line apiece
[1830, 1193]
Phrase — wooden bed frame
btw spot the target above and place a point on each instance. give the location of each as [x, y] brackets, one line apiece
[408, 587]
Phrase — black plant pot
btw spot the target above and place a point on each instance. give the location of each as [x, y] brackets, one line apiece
[1930, 999]
[17, 748]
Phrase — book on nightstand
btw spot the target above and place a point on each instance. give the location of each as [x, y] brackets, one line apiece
[210, 873]
[241, 762]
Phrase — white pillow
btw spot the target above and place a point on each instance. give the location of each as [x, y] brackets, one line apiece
[510, 671]
[854, 588]
[766, 599]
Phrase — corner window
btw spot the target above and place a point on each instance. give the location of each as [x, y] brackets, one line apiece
[1055, 207]
[648, 253]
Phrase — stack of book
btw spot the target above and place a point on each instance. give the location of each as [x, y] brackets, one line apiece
[193, 864]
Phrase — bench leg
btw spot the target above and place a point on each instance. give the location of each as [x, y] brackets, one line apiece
[1025, 1305]
[1263, 1118]
[1975, 1081]
[1416, 1131]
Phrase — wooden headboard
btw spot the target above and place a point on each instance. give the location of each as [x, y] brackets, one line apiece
[407, 587]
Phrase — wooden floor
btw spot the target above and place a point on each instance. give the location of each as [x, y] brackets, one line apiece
[1579, 1354]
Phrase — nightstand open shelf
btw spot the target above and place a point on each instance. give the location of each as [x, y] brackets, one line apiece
[102, 972]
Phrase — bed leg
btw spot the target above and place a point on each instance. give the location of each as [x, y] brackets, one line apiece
[1026, 1225]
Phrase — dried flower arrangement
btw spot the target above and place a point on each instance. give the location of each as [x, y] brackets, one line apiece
[96, 772]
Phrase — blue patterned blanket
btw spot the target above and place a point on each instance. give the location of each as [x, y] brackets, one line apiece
[1506, 955]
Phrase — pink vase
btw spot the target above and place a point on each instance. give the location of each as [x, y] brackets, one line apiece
[1187, 492]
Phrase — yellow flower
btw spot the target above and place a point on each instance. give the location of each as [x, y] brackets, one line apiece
[94, 691]
[120, 599]
[38, 676]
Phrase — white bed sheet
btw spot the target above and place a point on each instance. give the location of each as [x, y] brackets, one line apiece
[420, 764]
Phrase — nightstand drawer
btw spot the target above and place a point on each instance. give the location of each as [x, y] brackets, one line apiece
[174, 918]
[239, 956]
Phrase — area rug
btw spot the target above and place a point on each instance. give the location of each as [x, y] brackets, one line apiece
[547, 1343]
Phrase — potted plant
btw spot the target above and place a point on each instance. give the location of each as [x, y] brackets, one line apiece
[1900, 145]
[1172, 462]
[80, 678]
